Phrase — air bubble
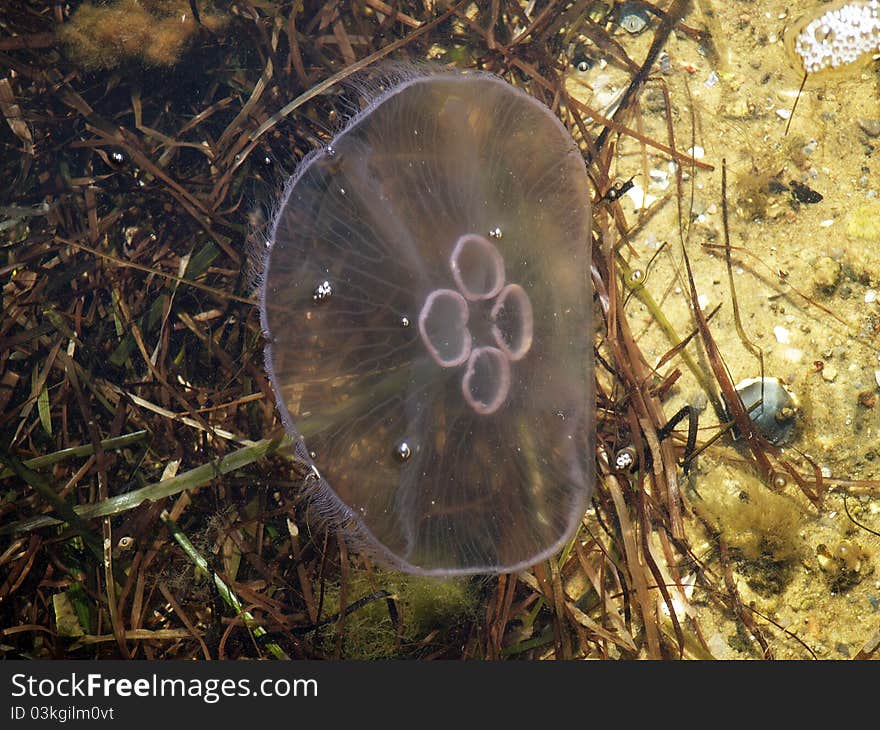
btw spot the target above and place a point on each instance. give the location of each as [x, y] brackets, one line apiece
[402, 452]
[322, 292]
[405, 321]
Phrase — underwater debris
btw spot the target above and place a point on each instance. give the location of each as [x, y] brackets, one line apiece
[427, 208]
[804, 193]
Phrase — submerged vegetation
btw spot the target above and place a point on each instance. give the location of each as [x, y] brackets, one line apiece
[148, 504]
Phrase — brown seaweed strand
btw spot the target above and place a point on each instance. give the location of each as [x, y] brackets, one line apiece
[676, 11]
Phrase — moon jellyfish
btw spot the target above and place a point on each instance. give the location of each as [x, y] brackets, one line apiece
[427, 307]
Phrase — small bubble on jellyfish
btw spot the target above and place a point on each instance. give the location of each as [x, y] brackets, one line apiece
[427, 308]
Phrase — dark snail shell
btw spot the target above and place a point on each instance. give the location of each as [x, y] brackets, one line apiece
[771, 406]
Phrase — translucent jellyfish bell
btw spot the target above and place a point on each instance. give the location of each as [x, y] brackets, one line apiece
[427, 305]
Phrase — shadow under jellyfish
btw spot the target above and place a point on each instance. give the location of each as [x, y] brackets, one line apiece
[427, 307]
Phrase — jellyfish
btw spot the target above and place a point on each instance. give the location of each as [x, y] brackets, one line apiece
[427, 308]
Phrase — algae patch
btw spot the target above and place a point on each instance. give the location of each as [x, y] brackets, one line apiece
[151, 32]
[423, 606]
[760, 526]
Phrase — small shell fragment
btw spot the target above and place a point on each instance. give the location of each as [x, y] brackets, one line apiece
[782, 335]
[829, 373]
[640, 197]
